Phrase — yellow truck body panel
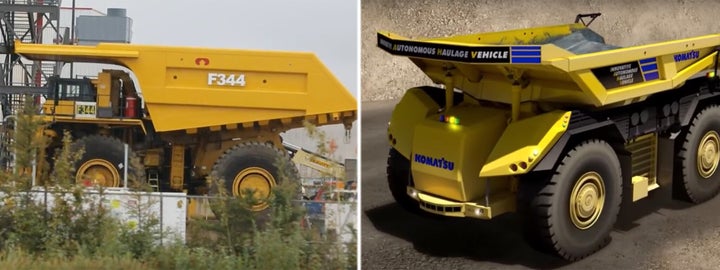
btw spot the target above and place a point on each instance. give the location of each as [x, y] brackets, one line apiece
[186, 88]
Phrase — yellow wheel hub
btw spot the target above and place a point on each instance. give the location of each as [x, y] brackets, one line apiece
[587, 200]
[708, 154]
[256, 180]
[98, 172]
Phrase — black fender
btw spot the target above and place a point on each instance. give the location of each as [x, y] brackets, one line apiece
[581, 127]
[690, 104]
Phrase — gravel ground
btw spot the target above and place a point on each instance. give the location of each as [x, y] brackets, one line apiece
[623, 23]
[653, 233]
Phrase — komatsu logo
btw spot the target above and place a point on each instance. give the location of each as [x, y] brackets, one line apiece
[687, 56]
[435, 162]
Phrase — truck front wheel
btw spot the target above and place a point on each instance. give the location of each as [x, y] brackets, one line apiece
[102, 162]
[573, 212]
[398, 177]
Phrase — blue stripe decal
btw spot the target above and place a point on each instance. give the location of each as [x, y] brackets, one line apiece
[649, 67]
[525, 48]
[651, 76]
[525, 53]
[526, 60]
[647, 60]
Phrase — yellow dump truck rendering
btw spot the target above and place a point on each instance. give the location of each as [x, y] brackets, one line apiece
[556, 125]
[187, 113]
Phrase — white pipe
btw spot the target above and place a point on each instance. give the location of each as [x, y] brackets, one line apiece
[14, 153]
[126, 166]
[34, 168]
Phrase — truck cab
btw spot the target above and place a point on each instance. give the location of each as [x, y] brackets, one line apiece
[111, 95]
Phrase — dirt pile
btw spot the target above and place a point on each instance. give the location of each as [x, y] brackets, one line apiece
[623, 23]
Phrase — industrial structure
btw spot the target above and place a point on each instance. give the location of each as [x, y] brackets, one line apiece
[30, 21]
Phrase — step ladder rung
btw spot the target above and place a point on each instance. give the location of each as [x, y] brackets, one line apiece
[154, 180]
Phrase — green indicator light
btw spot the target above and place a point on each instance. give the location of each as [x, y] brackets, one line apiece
[454, 120]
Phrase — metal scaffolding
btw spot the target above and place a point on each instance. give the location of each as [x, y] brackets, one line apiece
[30, 21]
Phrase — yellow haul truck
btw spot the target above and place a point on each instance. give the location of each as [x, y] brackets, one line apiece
[188, 112]
[555, 124]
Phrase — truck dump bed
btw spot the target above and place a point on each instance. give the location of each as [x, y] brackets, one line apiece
[214, 87]
[558, 64]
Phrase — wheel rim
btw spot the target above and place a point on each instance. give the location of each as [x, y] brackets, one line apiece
[708, 154]
[587, 200]
[98, 172]
[257, 179]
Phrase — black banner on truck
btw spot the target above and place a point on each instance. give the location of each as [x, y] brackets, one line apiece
[619, 75]
[471, 54]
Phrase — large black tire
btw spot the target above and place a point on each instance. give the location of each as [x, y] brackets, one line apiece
[574, 231]
[398, 177]
[249, 164]
[700, 178]
[102, 161]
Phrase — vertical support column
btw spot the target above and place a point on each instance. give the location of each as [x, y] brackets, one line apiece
[515, 102]
[516, 78]
[126, 164]
[449, 92]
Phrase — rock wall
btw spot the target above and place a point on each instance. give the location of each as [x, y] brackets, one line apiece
[623, 23]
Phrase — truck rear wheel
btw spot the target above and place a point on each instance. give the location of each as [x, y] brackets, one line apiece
[700, 155]
[102, 162]
[398, 176]
[573, 212]
[254, 166]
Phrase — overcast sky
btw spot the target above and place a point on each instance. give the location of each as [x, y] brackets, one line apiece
[326, 27]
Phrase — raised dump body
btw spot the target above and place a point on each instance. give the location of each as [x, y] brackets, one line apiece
[208, 114]
[187, 88]
[553, 122]
[486, 65]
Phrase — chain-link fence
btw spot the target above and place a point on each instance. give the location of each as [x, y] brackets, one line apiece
[334, 220]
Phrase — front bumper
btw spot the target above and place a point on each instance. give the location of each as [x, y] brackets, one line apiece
[492, 206]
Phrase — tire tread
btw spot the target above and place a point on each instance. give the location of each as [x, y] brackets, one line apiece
[541, 208]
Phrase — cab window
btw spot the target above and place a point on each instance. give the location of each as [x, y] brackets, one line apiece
[78, 90]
